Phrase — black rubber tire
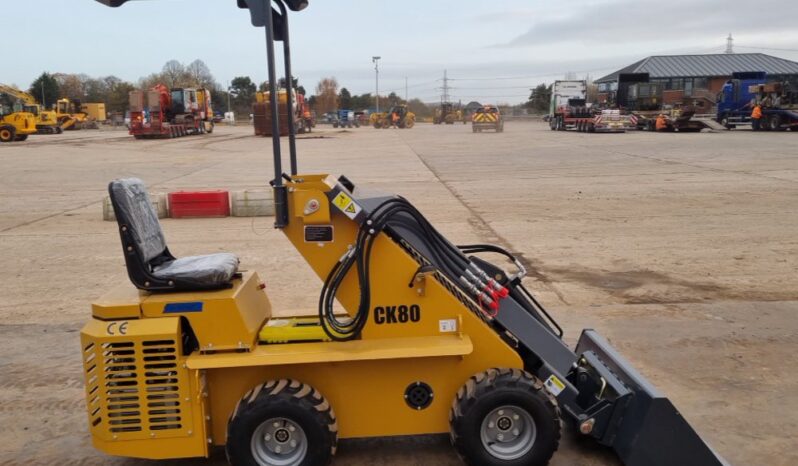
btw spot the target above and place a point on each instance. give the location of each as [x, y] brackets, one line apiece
[21, 137]
[8, 133]
[775, 123]
[290, 399]
[492, 389]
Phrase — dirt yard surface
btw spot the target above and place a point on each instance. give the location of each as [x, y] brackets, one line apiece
[680, 248]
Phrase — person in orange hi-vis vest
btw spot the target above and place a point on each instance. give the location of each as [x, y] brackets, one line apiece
[756, 117]
[662, 123]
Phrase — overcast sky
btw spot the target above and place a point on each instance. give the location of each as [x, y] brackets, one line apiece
[524, 42]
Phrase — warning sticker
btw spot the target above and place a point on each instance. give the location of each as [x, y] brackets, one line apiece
[554, 385]
[342, 200]
[347, 205]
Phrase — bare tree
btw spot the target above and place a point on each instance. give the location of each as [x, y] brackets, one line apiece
[70, 86]
[174, 74]
[200, 75]
[327, 95]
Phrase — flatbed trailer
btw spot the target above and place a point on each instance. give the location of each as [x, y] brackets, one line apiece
[141, 130]
[608, 121]
[682, 122]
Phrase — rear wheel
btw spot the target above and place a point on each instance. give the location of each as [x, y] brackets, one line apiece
[282, 423]
[775, 123]
[21, 137]
[504, 417]
[7, 133]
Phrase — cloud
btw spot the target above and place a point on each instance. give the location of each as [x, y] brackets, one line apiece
[625, 21]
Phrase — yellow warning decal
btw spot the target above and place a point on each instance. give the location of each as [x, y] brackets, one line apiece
[554, 385]
[342, 200]
[346, 205]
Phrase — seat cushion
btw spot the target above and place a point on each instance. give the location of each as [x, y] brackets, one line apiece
[202, 271]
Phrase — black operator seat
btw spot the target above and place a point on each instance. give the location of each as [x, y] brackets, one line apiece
[150, 265]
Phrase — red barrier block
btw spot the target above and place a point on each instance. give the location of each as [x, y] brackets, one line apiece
[184, 204]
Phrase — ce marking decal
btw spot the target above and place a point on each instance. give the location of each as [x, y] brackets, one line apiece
[117, 328]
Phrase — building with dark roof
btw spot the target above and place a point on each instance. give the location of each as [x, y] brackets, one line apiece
[687, 75]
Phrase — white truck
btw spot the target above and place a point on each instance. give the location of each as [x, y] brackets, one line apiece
[569, 110]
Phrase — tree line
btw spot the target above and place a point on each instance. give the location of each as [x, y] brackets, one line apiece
[238, 97]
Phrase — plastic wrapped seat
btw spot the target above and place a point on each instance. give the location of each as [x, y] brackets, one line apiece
[150, 265]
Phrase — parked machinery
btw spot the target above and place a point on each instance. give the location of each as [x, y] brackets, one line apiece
[302, 116]
[72, 116]
[346, 119]
[46, 120]
[643, 102]
[434, 339]
[161, 113]
[15, 123]
[778, 100]
[448, 114]
[399, 116]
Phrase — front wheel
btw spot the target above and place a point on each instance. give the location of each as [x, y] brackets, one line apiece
[504, 417]
[7, 133]
[282, 423]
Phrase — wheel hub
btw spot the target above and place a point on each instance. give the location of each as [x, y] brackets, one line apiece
[279, 442]
[508, 432]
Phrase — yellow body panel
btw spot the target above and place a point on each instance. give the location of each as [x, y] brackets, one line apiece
[358, 350]
[229, 319]
[142, 400]
[122, 302]
[23, 122]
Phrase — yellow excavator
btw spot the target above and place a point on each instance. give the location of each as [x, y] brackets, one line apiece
[46, 120]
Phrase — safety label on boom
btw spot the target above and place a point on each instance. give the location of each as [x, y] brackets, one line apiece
[346, 205]
[554, 385]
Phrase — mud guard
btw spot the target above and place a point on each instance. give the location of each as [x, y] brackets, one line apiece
[646, 430]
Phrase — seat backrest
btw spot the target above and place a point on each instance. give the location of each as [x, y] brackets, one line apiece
[134, 210]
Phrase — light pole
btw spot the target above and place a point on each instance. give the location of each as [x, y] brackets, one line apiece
[229, 87]
[376, 61]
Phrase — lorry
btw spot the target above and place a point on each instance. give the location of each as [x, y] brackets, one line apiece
[569, 110]
[164, 113]
[778, 100]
